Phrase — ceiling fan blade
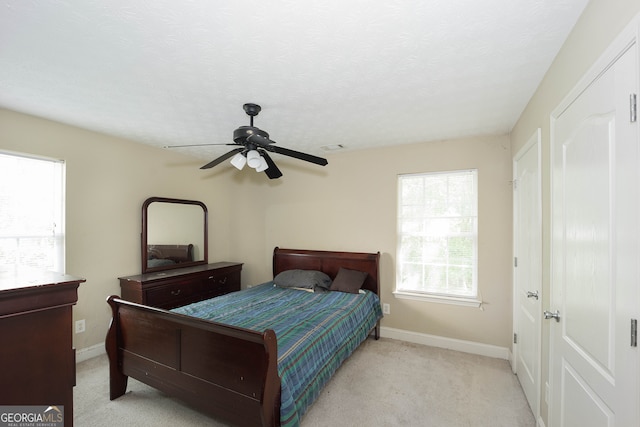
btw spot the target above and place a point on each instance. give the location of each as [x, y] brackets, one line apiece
[193, 145]
[298, 155]
[272, 171]
[222, 158]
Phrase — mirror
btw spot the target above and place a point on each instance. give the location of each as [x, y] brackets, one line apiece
[174, 234]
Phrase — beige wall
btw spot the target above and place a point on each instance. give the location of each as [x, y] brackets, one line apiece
[107, 181]
[351, 205]
[348, 205]
[600, 23]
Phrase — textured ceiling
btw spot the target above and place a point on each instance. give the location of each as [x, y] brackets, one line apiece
[359, 73]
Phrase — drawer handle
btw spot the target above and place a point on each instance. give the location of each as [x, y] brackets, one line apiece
[176, 292]
[223, 280]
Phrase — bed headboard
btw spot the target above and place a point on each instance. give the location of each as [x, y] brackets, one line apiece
[330, 262]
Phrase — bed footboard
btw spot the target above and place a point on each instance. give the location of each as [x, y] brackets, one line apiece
[225, 371]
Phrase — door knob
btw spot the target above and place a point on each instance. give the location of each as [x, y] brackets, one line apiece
[550, 315]
[533, 294]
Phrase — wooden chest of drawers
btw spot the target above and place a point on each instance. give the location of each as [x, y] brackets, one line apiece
[181, 286]
[37, 356]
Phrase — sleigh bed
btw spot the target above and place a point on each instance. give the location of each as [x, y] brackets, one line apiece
[239, 357]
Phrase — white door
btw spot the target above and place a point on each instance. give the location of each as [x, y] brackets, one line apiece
[528, 269]
[595, 253]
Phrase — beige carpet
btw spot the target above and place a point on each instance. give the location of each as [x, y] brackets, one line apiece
[384, 383]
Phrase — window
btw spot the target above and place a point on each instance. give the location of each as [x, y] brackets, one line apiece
[438, 236]
[31, 212]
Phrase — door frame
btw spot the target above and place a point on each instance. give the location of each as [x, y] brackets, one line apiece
[534, 141]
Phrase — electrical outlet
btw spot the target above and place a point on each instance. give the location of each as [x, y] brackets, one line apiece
[386, 308]
[79, 326]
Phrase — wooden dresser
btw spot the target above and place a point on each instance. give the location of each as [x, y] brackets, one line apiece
[37, 359]
[181, 286]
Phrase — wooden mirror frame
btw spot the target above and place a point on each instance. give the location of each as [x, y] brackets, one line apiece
[145, 234]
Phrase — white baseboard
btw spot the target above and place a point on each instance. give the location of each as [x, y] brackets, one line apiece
[448, 343]
[90, 352]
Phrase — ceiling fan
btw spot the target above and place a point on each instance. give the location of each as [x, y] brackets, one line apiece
[254, 149]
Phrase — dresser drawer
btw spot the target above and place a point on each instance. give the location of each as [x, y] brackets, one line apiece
[172, 294]
[221, 283]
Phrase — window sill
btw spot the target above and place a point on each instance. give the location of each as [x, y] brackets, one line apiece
[468, 302]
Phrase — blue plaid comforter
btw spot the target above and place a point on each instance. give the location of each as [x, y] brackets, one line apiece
[316, 332]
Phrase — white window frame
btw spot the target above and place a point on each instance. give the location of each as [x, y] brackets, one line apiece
[49, 198]
[440, 295]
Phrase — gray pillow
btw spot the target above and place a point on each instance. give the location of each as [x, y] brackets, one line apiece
[348, 281]
[308, 279]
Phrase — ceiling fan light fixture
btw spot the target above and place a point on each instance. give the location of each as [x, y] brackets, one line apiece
[253, 159]
[263, 165]
[239, 161]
